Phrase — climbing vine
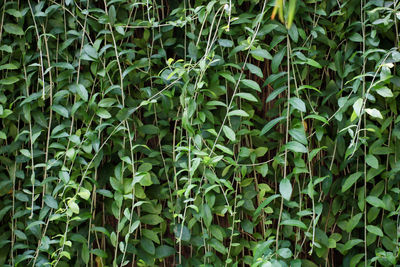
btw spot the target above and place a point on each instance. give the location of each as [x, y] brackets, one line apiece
[199, 133]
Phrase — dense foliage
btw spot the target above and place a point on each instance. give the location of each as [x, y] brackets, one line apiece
[199, 133]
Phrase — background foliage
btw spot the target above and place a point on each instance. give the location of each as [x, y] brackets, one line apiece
[199, 133]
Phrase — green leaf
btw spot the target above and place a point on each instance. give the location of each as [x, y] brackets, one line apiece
[275, 93]
[352, 223]
[295, 223]
[271, 124]
[113, 239]
[350, 181]
[247, 226]
[247, 96]
[285, 188]
[149, 129]
[264, 204]
[376, 202]
[373, 112]
[192, 50]
[34, 223]
[277, 60]
[299, 135]
[50, 201]
[298, 104]
[291, 12]
[8, 66]
[99, 252]
[372, 161]
[375, 230]
[351, 243]
[84, 193]
[6, 48]
[225, 43]
[151, 219]
[14, 12]
[85, 253]
[61, 110]
[229, 133]
[313, 63]
[224, 149]
[148, 246]
[357, 106]
[90, 51]
[261, 53]
[112, 14]
[356, 259]
[252, 84]
[182, 233]
[13, 29]
[80, 90]
[296, 147]
[285, 253]
[9, 80]
[73, 206]
[228, 77]
[218, 246]
[255, 70]
[262, 169]
[356, 37]
[103, 113]
[207, 214]
[385, 92]
[107, 102]
[238, 112]
[164, 251]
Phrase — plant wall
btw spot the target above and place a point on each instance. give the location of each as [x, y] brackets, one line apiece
[199, 133]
